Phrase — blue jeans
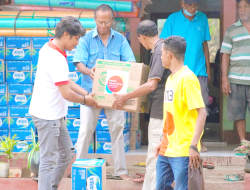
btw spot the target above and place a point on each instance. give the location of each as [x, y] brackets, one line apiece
[170, 169]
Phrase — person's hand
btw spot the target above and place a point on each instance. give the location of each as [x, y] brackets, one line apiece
[91, 73]
[209, 76]
[157, 149]
[194, 159]
[120, 100]
[90, 101]
[226, 87]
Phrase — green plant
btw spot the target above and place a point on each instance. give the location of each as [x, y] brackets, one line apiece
[7, 146]
[30, 151]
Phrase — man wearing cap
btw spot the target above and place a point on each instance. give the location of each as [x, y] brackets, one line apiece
[236, 69]
[192, 25]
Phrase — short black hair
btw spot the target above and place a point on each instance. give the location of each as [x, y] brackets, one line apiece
[147, 28]
[177, 45]
[71, 25]
[104, 7]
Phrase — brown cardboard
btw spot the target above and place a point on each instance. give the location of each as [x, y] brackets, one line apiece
[135, 121]
[120, 77]
[135, 140]
[15, 172]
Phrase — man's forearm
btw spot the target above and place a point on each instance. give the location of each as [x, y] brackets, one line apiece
[207, 57]
[82, 68]
[77, 88]
[200, 122]
[224, 65]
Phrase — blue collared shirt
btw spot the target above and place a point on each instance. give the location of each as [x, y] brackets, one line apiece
[195, 33]
[91, 48]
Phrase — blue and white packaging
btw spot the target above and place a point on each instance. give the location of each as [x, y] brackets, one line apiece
[4, 132]
[71, 66]
[2, 77]
[2, 65]
[75, 76]
[73, 124]
[20, 88]
[21, 134]
[2, 47]
[21, 111]
[4, 111]
[73, 135]
[33, 77]
[73, 104]
[70, 54]
[135, 139]
[37, 44]
[19, 99]
[102, 125]
[102, 115]
[105, 135]
[22, 123]
[34, 65]
[18, 76]
[89, 174]
[73, 113]
[3, 94]
[18, 65]
[22, 146]
[18, 48]
[4, 123]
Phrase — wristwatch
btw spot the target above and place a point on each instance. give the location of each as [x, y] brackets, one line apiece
[84, 101]
[194, 148]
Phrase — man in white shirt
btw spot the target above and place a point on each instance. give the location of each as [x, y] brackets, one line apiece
[49, 105]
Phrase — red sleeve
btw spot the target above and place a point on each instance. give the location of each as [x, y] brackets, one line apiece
[61, 83]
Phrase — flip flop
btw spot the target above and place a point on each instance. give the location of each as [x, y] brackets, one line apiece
[119, 178]
[235, 177]
[141, 164]
[139, 178]
[209, 165]
[109, 175]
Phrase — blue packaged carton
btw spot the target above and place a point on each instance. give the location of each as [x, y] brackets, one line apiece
[75, 76]
[4, 111]
[89, 174]
[3, 94]
[4, 123]
[22, 123]
[105, 135]
[73, 104]
[73, 124]
[38, 42]
[102, 125]
[2, 65]
[2, 47]
[102, 115]
[22, 146]
[71, 66]
[3, 100]
[70, 54]
[18, 42]
[20, 88]
[18, 48]
[2, 77]
[73, 113]
[3, 88]
[4, 132]
[21, 111]
[19, 99]
[73, 135]
[135, 139]
[18, 65]
[18, 54]
[34, 64]
[21, 134]
[18, 77]
[33, 77]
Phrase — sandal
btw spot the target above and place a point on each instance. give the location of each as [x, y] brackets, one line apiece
[141, 164]
[139, 178]
[235, 177]
[209, 165]
[109, 175]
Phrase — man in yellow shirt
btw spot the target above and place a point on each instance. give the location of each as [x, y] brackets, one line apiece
[184, 118]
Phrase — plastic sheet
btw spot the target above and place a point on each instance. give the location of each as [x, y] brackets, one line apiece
[122, 6]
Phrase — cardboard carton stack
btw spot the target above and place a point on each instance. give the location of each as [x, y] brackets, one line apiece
[135, 132]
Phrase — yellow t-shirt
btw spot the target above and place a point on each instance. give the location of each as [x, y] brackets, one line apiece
[181, 99]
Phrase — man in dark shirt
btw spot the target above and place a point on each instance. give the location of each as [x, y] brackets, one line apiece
[148, 36]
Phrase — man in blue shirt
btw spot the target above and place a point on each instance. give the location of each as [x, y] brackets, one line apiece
[193, 26]
[102, 43]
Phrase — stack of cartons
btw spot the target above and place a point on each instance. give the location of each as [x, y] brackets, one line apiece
[4, 121]
[135, 132]
[103, 138]
[2, 57]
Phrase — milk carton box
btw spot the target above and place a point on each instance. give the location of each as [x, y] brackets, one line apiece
[21, 123]
[4, 132]
[18, 48]
[75, 76]
[22, 146]
[73, 113]
[2, 47]
[89, 174]
[21, 111]
[21, 134]
[20, 94]
[34, 65]
[4, 123]
[3, 94]
[18, 65]
[37, 44]
[18, 76]
[73, 124]
[135, 139]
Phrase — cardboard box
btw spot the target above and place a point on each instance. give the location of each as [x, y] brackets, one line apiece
[18, 65]
[2, 77]
[2, 47]
[2, 65]
[18, 48]
[73, 135]
[89, 174]
[4, 123]
[18, 76]
[75, 76]
[135, 140]
[34, 64]
[19, 99]
[15, 172]
[33, 77]
[73, 113]
[4, 111]
[3, 94]
[21, 134]
[22, 146]
[37, 44]
[21, 123]
[20, 88]
[71, 66]
[135, 121]
[21, 111]
[70, 54]
[119, 77]
[73, 124]
[102, 115]
[73, 104]
[4, 132]
[105, 135]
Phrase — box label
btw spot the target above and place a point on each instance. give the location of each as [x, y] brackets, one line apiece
[17, 42]
[19, 100]
[38, 42]
[21, 134]
[18, 65]
[73, 124]
[19, 111]
[20, 88]
[4, 111]
[22, 146]
[73, 113]
[18, 54]
[21, 123]
[18, 77]
[75, 76]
